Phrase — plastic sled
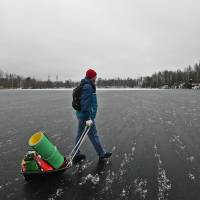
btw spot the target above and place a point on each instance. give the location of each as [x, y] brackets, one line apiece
[32, 175]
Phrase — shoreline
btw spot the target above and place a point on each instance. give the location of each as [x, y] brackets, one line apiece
[70, 89]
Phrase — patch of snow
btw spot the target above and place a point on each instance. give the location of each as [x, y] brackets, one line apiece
[170, 123]
[140, 187]
[179, 143]
[9, 141]
[190, 158]
[191, 176]
[132, 150]
[16, 179]
[127, 158]
[55, 135]
[164, 184]
[123, 193]
[59, 193]
[110, 177]
[114, 148]
[85, 165]
[94, 179]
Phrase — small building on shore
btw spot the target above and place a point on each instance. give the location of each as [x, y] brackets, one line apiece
[164, 87]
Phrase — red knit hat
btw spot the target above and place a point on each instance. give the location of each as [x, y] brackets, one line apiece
[90, 73]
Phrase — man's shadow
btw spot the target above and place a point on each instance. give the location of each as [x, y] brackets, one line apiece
[102, 166]
[43, 188]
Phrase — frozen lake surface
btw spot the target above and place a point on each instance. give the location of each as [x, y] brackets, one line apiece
[154, 136]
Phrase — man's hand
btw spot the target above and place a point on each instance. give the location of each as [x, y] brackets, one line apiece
[89, 122]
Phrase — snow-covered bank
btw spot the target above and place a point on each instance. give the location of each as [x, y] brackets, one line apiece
[61, 89]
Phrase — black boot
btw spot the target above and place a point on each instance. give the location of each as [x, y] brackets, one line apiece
[79, 158]
[105, 156]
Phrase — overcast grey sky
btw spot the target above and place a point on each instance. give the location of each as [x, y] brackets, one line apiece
[118, 38]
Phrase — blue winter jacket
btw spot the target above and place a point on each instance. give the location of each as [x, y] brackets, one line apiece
[88, 101]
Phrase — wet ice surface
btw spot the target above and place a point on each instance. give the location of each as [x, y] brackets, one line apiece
[154, 137]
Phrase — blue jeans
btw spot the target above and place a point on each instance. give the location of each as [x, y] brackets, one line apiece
[93, 136]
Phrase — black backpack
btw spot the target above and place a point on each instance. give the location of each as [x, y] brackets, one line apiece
[76, 95]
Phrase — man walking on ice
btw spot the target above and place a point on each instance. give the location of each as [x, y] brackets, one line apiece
[87, 114]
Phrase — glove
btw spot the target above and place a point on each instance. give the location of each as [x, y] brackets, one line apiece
[89, 122]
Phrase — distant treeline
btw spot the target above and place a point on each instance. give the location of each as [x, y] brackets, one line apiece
[187, 77]
[8, 80]
[170, 79]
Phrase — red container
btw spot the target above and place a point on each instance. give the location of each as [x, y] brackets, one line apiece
[23, 166]
[43, 164]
